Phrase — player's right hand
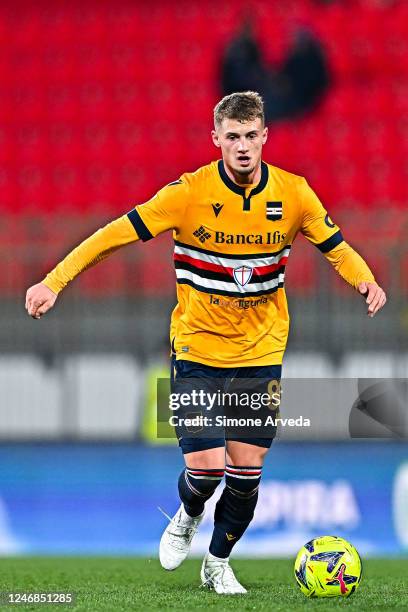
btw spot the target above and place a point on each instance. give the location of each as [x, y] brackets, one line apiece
[39, 299]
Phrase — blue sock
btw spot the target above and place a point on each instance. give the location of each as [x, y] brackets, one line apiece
[235, 508]
[196, 486]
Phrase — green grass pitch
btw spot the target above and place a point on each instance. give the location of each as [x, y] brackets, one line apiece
[115, 584]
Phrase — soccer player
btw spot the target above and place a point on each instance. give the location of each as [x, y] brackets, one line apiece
[233, 221]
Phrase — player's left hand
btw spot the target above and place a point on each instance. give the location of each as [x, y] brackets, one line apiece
[375, 297]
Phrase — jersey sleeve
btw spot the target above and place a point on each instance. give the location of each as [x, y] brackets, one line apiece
[350, 265]
[91, 251]
[316, 224]
[163, 212]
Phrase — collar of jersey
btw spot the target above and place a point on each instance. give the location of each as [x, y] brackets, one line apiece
[241, 190]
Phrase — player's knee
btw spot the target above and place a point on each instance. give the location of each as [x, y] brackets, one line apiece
[243, 482]
[239, 453]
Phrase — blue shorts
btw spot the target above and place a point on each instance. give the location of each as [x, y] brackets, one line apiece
[183, 369]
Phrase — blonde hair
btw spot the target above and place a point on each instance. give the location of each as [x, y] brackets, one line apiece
[242, 106]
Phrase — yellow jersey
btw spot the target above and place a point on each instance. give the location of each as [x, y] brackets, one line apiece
[231, 247]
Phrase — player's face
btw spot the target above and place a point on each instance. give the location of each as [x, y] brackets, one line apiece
[241, 144]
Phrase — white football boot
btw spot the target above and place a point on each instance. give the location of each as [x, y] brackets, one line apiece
[217, 574]
[176, 540]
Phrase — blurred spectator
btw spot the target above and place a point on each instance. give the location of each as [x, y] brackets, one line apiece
[328, 2]
[304, 74]
[293, 89]
[243, 66]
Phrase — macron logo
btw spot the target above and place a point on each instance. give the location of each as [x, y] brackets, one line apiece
[217, 208]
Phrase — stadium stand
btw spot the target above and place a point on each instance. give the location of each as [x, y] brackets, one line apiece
[101, 104]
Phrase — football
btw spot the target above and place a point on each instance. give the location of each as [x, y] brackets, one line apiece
[328, 566]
